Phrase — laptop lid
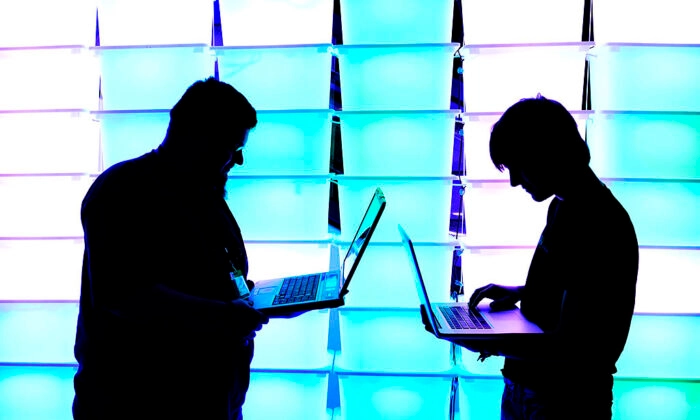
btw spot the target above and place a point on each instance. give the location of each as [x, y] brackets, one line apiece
[362, 236]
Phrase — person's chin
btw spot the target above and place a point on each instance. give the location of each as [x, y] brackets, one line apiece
[540, 197]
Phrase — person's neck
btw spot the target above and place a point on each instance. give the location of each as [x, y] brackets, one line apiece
[578, 184]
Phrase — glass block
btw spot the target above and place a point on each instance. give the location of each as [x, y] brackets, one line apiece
[421, 205]
[495, 77]
[479, 398]
[281, 395]
[481, 266]
[304, 82]
[397, 143]
[645, 145]
[477, 133]
[650, 400]
[645, 77]
[384, 277]
[668, 281]
[127, 135]
[42, 206]
[294, 22]
[674, 206]
[48, 142]
[662, 346]
[289, 143]
[515, 21]
[296, 343]
[36, 392]
[365, 397]
[47, 22]
[37, 332]
[497, 214]
[135, 78]
[155, 22]
[648, 21]
[470, 365]
[288, 258]
[385, 22]
[56, 278]
[389, 341]
[280, 208]
[396, 77]
[48, 78]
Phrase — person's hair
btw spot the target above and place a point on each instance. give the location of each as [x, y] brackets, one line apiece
[537, 130]
[207, 107]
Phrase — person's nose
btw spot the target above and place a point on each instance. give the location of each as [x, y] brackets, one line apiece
[238, 157]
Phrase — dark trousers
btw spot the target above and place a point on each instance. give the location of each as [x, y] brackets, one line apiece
[521, 403]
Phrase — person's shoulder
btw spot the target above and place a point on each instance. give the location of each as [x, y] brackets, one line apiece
[124, 178]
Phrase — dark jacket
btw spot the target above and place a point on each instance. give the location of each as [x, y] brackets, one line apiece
[156, 333]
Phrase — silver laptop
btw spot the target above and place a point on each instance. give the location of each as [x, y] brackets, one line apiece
[457, 320]
[288, 295]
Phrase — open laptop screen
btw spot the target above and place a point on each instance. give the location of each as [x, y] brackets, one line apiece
[364, 231]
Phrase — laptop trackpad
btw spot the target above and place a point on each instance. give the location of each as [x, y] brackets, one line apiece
[265, 290]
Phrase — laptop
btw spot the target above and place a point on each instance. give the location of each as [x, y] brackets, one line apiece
[289, 295]
[457, 320]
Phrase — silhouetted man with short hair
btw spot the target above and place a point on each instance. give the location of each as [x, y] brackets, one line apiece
[163, 331]
[581, 285]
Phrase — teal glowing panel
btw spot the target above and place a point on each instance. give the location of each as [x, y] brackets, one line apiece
[36, 393]
[37, 332]
[645, 77]
[663, 213]
[365, 397]
[645, 145]
[652, 400]
[289, 396]
[126, 135]
[389, 341]
[479, 398]
[386, 22]
[397, 143]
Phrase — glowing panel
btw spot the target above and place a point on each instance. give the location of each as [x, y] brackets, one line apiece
[668, 281]
[390, 77]
[421, 205]
[501, 266]
[647, 21]
[143, 77]
[48, 142]
[47, 22]
[663, 213]
[37, 206]
[56, 277]
[394, 397]
[280, 208]
[498, 76]
[631, 145]
[155, 22]
[269, 260]
[389, 341]
[304, 82]
[497, 214]
[647, 400]
[479, 398]
[36, 392]
[516, 21]
[477, 132]
[53, 78]
[384, 277]
[285, 22]
[126, 135]
[385, 22]
[37, 332]
[295, 396]
[304, 340]
[662, 347]
[645, 77]
[289, 143]
[397, 143]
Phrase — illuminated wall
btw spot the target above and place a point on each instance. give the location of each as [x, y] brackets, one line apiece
[370, 359]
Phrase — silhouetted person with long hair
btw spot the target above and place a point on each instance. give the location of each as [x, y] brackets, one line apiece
[581, 285]
[163, 331]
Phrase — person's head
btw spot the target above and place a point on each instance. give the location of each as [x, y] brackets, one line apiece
[209, 126]
[538, 141]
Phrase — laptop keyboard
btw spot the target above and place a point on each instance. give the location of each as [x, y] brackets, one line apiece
[297, 289]
[460, 318]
